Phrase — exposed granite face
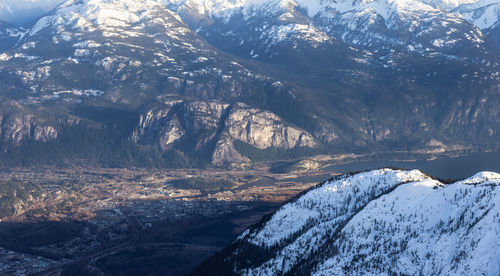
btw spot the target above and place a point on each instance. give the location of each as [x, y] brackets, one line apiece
[156, 127]
[202, 115]
[16, 126]
[213, 126]
[171, 133]
[264, 129]
[226, 154]
[44, 133]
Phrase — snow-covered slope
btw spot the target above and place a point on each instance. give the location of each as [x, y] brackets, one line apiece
[381, 222]
[345, 72]
[375, 24]
[484, 14]
[134, 45]
[227, 8]
[447, 4]
[24, 11]
[256, 28]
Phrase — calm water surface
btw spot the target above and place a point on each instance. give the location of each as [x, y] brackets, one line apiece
[444, 167]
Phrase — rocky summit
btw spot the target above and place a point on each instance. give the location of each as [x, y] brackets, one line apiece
[229, 83]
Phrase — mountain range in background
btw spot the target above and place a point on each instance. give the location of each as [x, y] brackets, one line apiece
[25, 12]
[95, 94]
[229, 83]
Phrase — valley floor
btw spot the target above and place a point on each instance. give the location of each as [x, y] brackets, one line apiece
[108, 220]
[92, 220]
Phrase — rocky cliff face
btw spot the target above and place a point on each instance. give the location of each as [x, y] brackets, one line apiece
[255, 76]
[203, 124]
[225, 153]
[264, 129]
[17, 125]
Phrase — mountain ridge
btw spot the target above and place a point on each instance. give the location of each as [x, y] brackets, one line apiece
[137, 55]
[370, 223]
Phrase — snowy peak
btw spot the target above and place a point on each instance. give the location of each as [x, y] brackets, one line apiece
[482, 177]
[345, 196]
[447, 4]
[100, 30]
[120, 49]
[132, 43]
[312, 8]
[483, 14]
[377, 23]
[20, 12]
[423, 27]
[89, 15]
[379, 222]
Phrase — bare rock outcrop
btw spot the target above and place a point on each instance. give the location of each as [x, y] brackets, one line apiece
[264, 129]
[16, 125]
[226, 154]
[211, 126]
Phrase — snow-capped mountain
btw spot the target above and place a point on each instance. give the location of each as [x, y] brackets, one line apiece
[380, 222]
[330, 75]
[20, 12]
[447, 4]
[140, 54]
[121, 45]
[422, 26]
[346, 13]
[484, 14]
[256, 29]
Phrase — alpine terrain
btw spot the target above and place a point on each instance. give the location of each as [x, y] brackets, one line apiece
[381, 222]
[141, 137]
[231, 82]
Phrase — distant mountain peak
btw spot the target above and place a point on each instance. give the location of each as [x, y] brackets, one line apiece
[89, 14]
[326, 69]
[20, 12]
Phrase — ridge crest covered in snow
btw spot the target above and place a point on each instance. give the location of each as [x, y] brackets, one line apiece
[380, 222]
